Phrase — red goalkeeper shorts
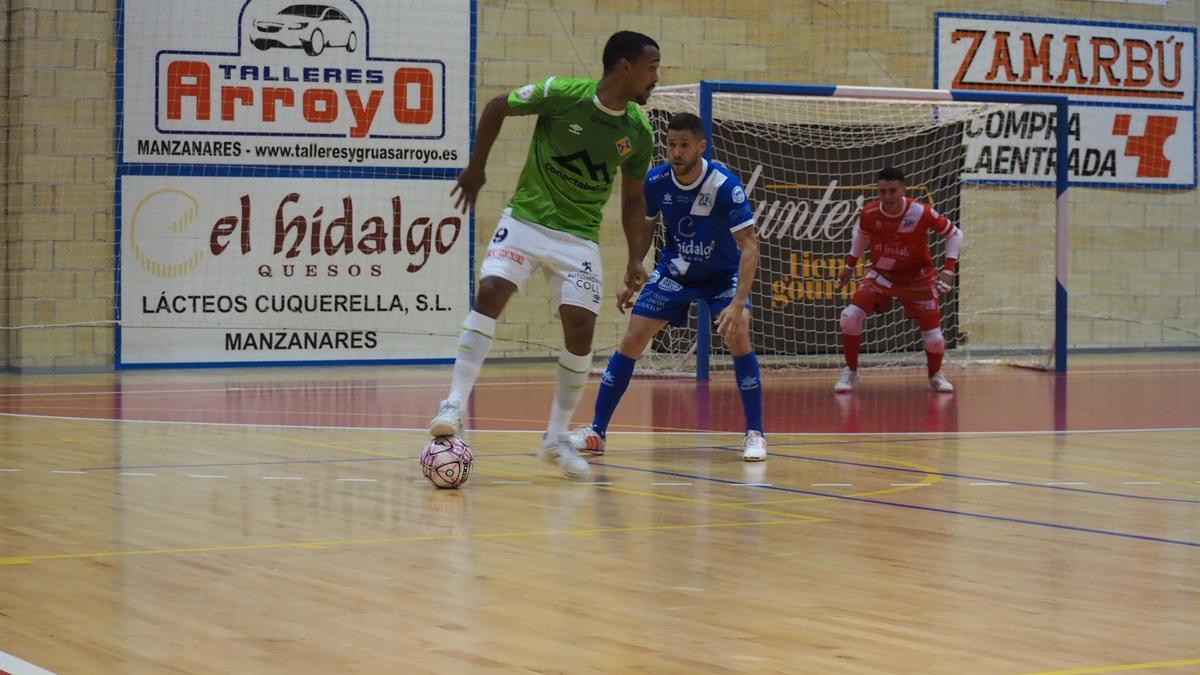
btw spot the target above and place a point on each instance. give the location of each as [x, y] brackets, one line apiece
[918, 297]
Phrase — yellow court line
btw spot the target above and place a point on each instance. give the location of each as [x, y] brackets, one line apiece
[1046, 462]
[930, 479]
[319, 545]
[738, 507]
[1126, 667]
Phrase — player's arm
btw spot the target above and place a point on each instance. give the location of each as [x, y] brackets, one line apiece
[638, 229]
[954, 242]
[730, 320]
[472, 178]
[858, 246]
[546, 96]
[633, 205]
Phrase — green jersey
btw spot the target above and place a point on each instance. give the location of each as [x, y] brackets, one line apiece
[576, 149]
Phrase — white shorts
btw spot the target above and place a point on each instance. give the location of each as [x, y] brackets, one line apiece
[571, 264]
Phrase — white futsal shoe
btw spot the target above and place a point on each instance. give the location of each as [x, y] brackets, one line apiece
[448, 421]
[754, 448]
[847, 382]
[586, 441]
[559, 451]
[939, 383]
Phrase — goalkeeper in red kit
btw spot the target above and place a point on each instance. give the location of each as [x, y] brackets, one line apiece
[896, 229]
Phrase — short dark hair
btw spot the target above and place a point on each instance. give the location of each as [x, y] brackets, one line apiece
[891, 173]
[625, 44]
[686, 121]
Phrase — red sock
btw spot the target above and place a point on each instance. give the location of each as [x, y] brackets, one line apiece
[850, 345]
[934, 361]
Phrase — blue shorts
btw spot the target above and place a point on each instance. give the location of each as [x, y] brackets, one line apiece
[666, 298]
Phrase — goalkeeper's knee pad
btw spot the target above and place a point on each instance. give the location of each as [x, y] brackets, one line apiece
[853, 320]
[934, 342]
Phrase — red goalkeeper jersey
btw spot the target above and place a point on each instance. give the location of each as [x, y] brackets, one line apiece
[900, 243]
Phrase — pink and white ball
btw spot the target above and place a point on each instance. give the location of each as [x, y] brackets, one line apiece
[446, 462]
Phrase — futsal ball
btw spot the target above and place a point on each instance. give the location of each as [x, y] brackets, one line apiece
[446, 461]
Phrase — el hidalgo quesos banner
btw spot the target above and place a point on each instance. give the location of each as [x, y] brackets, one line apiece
[284, 180]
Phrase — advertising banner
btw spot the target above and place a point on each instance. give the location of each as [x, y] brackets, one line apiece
[225, 270]
[1132, 89]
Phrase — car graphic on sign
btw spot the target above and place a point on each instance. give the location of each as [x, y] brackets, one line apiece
[311, 27]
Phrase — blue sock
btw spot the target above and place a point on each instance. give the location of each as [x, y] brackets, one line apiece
[745, 369]
[612, 388]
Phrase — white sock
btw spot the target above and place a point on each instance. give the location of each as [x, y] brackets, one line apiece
[473, 346]
[573, 371]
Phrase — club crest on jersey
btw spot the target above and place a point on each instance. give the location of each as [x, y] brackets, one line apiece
[624, 147]
[525, 93]
[739, 195]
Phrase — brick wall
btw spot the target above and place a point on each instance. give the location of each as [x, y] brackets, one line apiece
[59, 175]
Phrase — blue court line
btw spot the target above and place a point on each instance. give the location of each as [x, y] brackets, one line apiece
[915, 507]
[962, 476]
[723, 481]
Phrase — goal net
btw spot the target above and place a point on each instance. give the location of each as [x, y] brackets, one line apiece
[808, 163]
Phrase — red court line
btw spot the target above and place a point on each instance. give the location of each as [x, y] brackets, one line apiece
[887, 401]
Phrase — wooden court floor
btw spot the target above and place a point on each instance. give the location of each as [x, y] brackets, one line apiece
[275, 521]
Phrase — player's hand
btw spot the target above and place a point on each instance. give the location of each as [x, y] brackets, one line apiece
[944, 283]
[731, 320]
[635, 275]
[844, 277]
[470, 181]
[625, 298]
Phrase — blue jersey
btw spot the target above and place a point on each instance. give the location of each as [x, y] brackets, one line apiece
[700, 220]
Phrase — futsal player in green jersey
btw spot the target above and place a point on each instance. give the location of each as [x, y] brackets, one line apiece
[587, 130]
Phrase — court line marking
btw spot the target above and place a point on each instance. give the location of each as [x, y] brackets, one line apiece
[930, 479]
[439, 383]
[983, 479]
[1066, 465]
[804, 434]
[927, 471]
[218, 389]
[319, 545]
[752, 508]
[916, 507]
[1128, 666]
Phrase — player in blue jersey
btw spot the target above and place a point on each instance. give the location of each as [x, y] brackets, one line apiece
[710, 255]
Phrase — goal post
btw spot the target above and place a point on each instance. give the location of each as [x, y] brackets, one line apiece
[786, 141]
